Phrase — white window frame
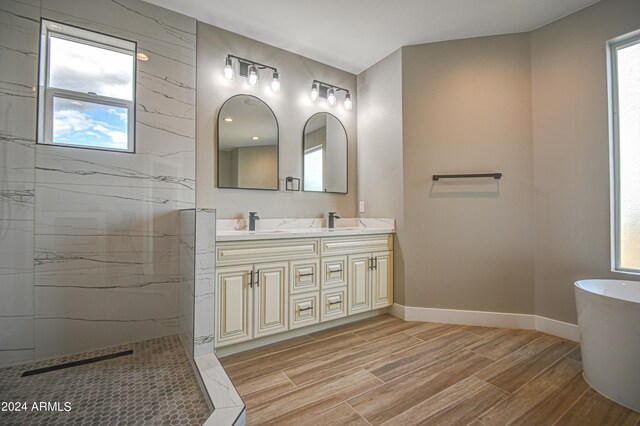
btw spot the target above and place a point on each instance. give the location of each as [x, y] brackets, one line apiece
[614, 136]
[313, 150]
[46, 94]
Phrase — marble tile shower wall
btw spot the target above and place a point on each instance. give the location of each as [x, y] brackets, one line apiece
[205, 278]
[89, 240]
[197, 279]
[187, 277]
[19, 24]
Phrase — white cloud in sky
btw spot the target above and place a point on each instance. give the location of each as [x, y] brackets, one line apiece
[84, 68]
[89, 124]
[120, 113]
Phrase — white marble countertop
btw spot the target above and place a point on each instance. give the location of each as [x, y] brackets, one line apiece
[270, 229]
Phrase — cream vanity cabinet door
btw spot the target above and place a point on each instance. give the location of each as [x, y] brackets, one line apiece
[334, 272]
[359, 297]
[233, 304]
[304, 310]
[270, 298]
[304, 276]
[334, 304]
[382, 279]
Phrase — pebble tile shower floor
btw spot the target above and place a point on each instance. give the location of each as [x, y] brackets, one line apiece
[156, 385]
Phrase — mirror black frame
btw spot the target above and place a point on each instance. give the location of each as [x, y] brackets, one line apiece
[346, 154]
[277, 188]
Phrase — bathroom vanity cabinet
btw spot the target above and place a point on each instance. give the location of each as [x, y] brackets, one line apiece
[264, 287]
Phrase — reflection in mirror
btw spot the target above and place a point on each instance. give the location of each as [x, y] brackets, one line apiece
[325, 154]
[247, 144]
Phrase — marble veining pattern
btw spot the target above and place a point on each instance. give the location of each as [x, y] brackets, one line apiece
[187, 277]
[19, 23]
[229, 407]
[204, 309]
[236, 229]
[89, 240]
[198, 281]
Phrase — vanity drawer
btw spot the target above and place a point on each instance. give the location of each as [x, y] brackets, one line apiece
[334, 271]
[261, 251]
[347, 245]
[334, 304]
[304, 310]
[304, 276]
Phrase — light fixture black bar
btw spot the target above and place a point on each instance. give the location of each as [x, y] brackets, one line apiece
[248, 61]
[338, 88]
[468, 175]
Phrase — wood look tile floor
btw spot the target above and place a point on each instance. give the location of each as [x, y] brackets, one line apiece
[387, 371]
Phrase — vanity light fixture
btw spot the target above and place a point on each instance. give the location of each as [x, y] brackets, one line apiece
[314, 91]
[327, 92]
[250, 70]
[254, 77]
[229, 72]
[331, 96]
[348, 105]
[275, 81]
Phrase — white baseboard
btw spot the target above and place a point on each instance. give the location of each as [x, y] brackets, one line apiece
[558, 328]
[487, 319]
[397, 311]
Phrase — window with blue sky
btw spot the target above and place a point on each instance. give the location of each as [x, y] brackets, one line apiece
[86, 89]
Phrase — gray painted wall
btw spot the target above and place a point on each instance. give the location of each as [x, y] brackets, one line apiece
[292, 107]
[257, 166]
[571, 151]
[467, 109]
[380, 151]
[533, 106]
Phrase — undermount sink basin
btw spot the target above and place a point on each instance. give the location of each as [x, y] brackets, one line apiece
[238, 229]
[292, 230]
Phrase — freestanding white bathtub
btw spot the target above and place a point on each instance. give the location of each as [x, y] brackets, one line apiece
[609, 321]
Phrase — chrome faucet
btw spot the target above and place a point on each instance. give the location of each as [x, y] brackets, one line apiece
[332, 219]
[253, 216]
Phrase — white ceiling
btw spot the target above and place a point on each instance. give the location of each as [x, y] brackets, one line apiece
[354, 34]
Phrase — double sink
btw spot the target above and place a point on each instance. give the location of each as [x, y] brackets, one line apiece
[237, 229]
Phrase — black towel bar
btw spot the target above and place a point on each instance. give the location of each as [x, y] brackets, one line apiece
[468, 175]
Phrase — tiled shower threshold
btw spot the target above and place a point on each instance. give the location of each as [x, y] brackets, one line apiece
[229, 409]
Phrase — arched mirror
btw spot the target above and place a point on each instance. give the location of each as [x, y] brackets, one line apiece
[247, 144]
[325, 151]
